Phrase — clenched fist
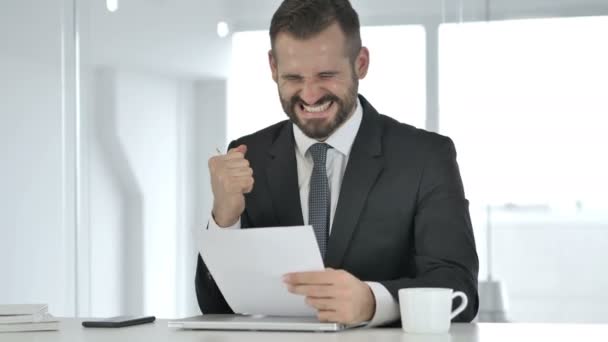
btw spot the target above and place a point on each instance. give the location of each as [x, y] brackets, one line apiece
[231, 179]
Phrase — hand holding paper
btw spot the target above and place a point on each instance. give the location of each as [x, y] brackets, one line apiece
[336, 294]
[248, 266]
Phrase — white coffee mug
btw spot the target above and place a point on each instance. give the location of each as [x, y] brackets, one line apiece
[426, 310]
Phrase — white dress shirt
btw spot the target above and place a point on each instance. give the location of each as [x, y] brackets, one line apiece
[341, 142]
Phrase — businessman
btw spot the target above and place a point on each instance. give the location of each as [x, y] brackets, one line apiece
[385, 199]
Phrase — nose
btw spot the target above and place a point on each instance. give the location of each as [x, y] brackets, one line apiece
[311, 92]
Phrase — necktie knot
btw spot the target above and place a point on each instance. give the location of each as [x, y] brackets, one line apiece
[318, 152]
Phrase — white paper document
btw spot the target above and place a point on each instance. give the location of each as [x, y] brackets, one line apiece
[248, 266]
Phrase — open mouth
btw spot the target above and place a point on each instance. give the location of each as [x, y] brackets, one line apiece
[316, 111]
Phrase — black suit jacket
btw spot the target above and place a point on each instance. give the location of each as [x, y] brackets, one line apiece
[401, 219]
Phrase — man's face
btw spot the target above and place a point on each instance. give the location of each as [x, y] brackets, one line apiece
[316, 79]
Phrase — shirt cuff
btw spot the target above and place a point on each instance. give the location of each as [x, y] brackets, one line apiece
[213, 225]
[387, 308]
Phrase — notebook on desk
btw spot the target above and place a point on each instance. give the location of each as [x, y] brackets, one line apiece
[261, 323]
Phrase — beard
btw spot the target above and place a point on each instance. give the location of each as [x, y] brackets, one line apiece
[319, 129]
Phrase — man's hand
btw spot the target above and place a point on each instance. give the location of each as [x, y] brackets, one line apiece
[337, 295]
[231, 178]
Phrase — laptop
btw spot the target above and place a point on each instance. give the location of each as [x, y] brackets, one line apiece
[258, 322]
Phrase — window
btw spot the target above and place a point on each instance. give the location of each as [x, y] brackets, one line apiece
[525, 102]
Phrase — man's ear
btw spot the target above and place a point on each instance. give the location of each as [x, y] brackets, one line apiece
[362, 63]
[273, 66]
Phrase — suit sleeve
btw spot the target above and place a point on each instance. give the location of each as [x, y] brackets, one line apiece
[444, 245]
[209, 296]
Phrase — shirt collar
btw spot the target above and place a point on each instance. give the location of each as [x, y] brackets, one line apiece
[341, 140]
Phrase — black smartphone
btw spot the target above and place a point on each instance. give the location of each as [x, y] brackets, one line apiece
[118, 322]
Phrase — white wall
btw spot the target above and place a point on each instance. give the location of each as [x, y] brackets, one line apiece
[36, 236]
[34, 258]
[150, 137]
[151, 115]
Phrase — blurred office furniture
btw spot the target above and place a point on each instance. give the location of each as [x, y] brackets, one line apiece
[492, 301]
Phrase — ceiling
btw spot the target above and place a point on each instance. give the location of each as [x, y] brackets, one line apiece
[31, 29]
[178, 37]
[174, 37]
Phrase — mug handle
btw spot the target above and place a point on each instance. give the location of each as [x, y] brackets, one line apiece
[462, 306]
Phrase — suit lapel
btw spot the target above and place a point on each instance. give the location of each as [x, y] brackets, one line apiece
[282, 179]
[365, 164]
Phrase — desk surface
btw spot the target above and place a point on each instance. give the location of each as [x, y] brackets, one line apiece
[71, 330]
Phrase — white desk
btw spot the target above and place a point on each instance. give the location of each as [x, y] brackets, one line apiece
[72, 331]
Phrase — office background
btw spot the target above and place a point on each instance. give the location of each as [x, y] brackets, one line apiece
[109, 114]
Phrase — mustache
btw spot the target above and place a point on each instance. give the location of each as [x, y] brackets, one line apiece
[296, 100]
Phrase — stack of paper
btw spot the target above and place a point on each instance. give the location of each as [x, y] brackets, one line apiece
[26, 317]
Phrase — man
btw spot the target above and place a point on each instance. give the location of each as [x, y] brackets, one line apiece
[385, 199]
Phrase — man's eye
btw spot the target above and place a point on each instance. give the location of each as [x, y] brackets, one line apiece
[326, 76]
[291, 78]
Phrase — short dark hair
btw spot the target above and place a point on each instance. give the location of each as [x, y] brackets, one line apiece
[307, 18]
